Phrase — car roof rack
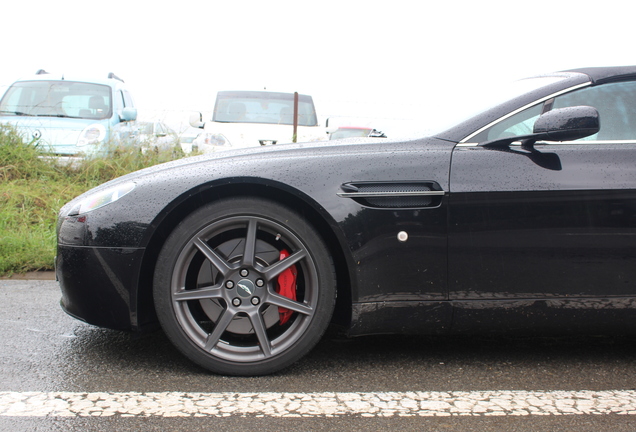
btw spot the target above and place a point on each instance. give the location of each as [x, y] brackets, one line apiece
[113, 76]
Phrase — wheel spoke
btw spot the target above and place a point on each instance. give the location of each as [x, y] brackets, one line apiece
[218, 262]
[280, 266]
[250, 243]
[279, 300]
[209, 292]
[261, 333]
[213, 338]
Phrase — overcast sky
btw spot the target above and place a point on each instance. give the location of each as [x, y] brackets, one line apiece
[367, 59]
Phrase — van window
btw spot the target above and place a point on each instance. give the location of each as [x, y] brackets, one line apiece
[128, 100]
[57, 99]
[263, 107]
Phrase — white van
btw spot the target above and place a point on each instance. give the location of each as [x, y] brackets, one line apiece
[256, 118]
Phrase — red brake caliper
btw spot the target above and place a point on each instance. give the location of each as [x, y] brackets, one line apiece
[286, 286]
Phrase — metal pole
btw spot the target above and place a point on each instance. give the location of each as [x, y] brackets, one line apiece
[295, 136]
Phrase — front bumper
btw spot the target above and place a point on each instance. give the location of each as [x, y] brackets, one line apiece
[100, 285]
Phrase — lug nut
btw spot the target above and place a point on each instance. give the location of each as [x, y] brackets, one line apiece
[255, 301]
[244, 272]
[260, 282]
[229, 284]
[236, 301]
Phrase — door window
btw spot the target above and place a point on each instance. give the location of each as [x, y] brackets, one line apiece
[615, 102]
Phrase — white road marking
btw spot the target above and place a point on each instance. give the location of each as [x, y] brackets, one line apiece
[455, 403]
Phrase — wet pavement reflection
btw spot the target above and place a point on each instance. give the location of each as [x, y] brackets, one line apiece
[44, 350]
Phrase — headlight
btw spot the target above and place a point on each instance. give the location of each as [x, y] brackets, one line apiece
[92, 134]
[102, 198]
[217, 140]
[208, 138]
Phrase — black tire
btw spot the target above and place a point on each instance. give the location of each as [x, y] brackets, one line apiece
[215, 287]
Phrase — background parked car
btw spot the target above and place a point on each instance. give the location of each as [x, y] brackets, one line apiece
[207, 142]
[187, 137]
[258, 118]
[352, 132]
[67, 115]
[147, 135]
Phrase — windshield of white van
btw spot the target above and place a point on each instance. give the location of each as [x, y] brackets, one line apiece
[57, 99]
[263, 107]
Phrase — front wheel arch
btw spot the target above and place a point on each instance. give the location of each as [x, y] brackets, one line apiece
[143, 302]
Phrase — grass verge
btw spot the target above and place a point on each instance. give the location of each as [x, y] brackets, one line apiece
[32, 190]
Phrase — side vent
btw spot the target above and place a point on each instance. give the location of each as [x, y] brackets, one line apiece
[394, 195]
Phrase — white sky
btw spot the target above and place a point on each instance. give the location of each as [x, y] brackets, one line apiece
[374, 60]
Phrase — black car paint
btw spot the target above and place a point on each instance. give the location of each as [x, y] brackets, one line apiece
[563, 243]
[359, 231]
[491, 227]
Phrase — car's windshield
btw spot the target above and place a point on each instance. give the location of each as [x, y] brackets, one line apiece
[263, 107]
[57, 99]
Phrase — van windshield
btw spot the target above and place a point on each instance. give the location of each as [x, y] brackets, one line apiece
[57, 99]
[263, 107]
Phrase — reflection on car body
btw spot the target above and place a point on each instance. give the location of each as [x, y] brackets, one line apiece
[519, 218]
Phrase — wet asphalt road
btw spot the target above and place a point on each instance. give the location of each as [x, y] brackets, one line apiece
[44, 350]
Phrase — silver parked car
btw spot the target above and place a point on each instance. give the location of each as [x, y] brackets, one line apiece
[147, 135]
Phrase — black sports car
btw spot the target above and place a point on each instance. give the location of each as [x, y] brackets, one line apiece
[522, 217]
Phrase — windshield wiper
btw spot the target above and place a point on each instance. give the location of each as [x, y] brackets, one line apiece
[54, 115]
[20, 113]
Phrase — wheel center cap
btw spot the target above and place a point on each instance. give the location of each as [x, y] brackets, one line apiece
[245, 288]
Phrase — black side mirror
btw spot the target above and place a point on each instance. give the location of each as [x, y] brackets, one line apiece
[567, 124]
[563, 124]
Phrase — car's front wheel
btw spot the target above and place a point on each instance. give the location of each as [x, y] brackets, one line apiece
[244, 286]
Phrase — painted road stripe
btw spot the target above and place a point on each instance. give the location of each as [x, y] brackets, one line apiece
[176, 404]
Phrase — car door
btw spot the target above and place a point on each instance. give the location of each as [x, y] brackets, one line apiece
[544, 235]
